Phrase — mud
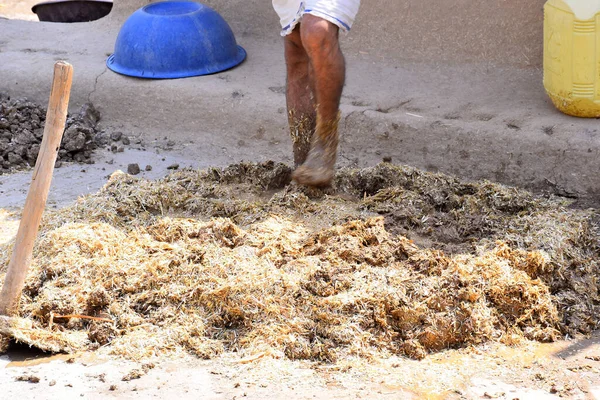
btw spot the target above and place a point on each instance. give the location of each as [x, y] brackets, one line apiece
[474, 372]
[521, 266]
[22, 129]
[302, 128]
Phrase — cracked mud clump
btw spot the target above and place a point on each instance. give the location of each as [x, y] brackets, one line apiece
[391, 260]
[22, 129]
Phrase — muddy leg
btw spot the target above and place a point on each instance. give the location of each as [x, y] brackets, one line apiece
[318, 170]
[302, 128]
[300, 101]
[327, 75]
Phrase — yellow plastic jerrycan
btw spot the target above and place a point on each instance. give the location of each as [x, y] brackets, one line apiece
[572, 56]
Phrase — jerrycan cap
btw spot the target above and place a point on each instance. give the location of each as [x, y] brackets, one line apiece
[584, 9]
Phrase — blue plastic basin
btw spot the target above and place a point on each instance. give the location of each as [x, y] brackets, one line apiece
[175, 39]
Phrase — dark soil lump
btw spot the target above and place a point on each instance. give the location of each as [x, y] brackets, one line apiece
[22, 130]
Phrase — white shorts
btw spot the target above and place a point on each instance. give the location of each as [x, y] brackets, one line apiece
[338, 12]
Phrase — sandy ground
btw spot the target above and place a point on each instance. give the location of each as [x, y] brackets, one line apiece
[72, 180]
[18, 9]
[567, 369]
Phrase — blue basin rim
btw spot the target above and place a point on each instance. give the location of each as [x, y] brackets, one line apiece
[241, 56]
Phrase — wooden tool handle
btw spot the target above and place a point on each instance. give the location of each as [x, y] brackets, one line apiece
[38, 191]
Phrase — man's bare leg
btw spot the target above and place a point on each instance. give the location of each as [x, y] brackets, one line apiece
[302, 114]
[327, 66]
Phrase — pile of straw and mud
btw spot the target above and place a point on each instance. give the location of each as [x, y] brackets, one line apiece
[391, 260]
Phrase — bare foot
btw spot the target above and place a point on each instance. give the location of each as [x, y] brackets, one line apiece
[318, 170]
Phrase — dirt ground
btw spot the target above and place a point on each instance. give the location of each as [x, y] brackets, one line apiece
[564, 369]
[18, 9]
[475, 120]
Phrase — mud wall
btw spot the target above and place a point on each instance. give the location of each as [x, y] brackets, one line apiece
[503, 32]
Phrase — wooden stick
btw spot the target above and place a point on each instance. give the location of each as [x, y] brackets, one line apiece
[38, 191]
[251, 358]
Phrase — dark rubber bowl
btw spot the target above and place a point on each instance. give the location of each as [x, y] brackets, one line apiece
[72, 10]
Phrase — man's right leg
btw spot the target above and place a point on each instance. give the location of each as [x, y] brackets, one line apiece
[302, 114]
[327, 66]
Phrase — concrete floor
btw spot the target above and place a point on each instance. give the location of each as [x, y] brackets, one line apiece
[475, 120]
[481, 119]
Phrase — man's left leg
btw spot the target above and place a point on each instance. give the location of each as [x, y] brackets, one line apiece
[302, 114]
